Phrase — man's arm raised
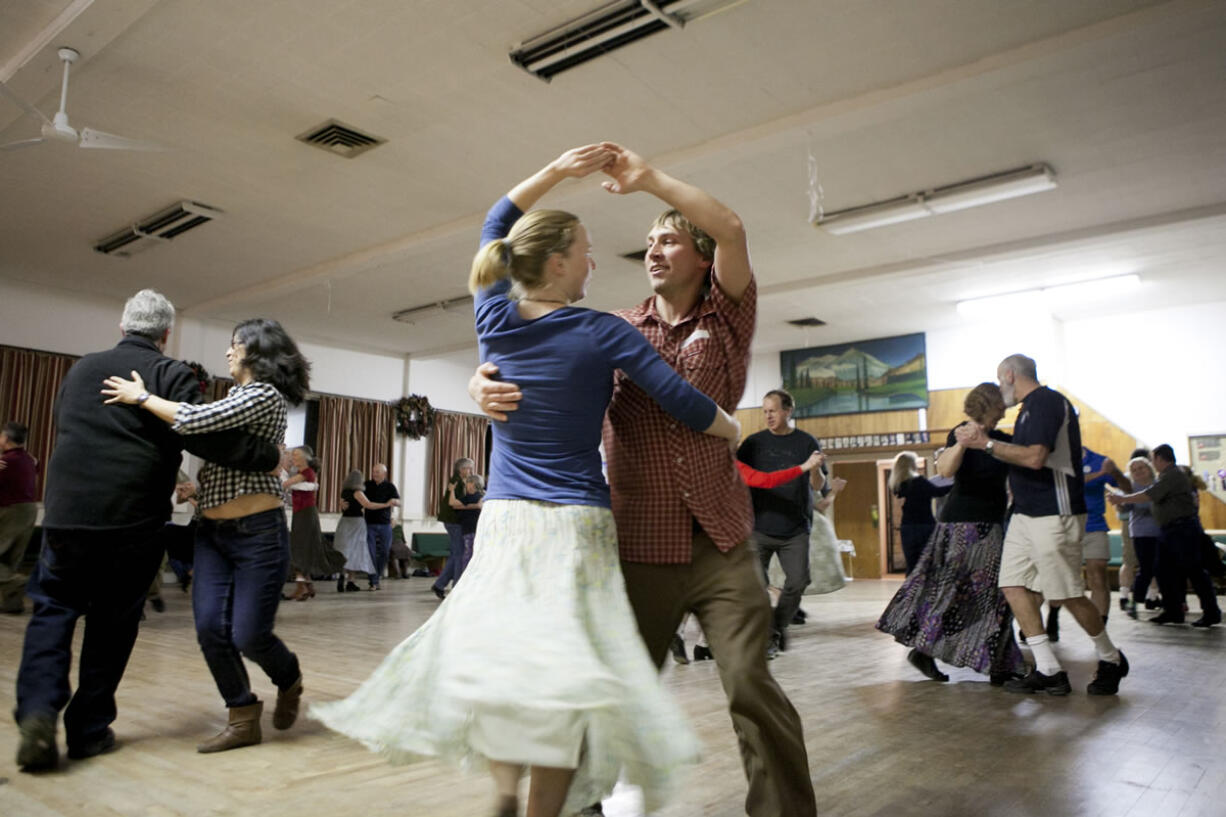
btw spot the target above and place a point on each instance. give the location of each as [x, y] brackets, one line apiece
[631, 174]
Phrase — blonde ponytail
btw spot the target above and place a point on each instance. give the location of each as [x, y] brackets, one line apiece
[523, 253]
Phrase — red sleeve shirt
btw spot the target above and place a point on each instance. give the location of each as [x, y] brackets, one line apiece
[767, 479]
[304, 499]
[17, 478]
[662, 475]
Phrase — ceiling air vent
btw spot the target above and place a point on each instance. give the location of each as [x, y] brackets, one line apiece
[808, 322]
[637, 256]
[157, 229]
[340, 139]
[606, 29]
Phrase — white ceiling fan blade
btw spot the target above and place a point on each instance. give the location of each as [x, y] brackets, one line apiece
[91, 138]
[25, 106]
[24, 143]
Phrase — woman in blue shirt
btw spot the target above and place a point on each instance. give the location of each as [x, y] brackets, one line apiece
[535, 659]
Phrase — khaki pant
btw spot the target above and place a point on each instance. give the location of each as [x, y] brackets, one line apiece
[16, 526]
[725, 592]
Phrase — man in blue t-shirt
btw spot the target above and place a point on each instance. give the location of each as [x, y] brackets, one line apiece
[1042, 550]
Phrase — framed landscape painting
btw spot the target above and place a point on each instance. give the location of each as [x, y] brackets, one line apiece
[883, 374]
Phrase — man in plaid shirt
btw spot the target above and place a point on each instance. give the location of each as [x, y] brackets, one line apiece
[683, 514]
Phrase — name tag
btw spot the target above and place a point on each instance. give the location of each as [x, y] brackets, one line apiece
[697, 335]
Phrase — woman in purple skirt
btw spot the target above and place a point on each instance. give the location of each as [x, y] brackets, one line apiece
[950, 608]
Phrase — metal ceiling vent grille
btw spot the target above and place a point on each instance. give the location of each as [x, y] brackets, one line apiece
[606, 29]
[157, 229]
[338, 138]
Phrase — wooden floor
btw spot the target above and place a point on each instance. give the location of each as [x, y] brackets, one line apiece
[882, 740]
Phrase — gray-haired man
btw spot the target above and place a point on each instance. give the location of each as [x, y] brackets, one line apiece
[107, 499]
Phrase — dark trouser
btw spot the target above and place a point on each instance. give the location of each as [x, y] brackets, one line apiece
[102, 575]
[379, 543]
[16, 527]
[1146, 548]
[455, 556]
[240, 565]
[1179, 562]
[914, 540]
[793, 554]
[726, 594]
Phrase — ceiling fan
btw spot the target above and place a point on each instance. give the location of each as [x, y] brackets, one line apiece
[57, 128]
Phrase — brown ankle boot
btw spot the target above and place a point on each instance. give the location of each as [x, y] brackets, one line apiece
[242, 730]
[286, 711]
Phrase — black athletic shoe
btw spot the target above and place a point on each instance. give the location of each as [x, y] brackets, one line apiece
[158, 604]
[37, 751]
[775, 645]
[1166, 618]
[101, 746]
[999, 679]
[1208, 619]
[925, 664]
[702, 653]
[1107, 679]
[1124, 603]
[677, 647]
[800, 617]
[1038, 682]
[350, 587]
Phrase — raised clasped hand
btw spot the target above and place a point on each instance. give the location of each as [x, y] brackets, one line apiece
[582, 161]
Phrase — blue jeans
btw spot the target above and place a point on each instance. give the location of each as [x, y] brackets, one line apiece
[379, 543]
[455, 556]
[102, 575]
[240, 566]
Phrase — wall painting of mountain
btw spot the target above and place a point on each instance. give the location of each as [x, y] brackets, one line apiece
[884, 374]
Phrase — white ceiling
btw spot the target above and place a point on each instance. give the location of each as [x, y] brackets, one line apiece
[1125, 99]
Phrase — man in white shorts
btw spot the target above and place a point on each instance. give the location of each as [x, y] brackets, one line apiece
[1042, 552]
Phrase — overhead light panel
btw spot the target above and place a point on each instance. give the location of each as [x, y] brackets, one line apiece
[983, 190]
[1048, 299]
[158, 228]
[606, 29]
[415, 313]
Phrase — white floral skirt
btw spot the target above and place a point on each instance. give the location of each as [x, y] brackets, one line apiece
[534, 658]
[825, 562]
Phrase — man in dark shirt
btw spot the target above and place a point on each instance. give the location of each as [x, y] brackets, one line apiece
[782, 515]
[381, 497]
[107, 498]
[1179, 556]
[1042, 551]
[18, 511]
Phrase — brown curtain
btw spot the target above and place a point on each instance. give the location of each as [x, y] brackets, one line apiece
[352, 434]
[29, 383]
[454, 436]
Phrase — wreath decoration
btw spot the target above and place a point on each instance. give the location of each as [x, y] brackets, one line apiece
[202, 375]
[414, 416]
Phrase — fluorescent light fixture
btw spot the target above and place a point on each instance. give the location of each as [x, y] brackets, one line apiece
[606, 29]
[856, 219]
[416, 313]
[1046, 300]
[984, 190]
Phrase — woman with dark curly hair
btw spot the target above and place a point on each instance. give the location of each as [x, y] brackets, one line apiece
[242, 544]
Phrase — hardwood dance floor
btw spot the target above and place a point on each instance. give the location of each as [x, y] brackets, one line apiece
[882, 740]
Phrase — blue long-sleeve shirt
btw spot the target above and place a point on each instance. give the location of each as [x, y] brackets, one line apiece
[563, 362]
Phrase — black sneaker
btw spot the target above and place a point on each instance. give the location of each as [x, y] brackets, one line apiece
[1038, 682]
[677, 647]
[37, 751]
[999, 679]
[800, 616]
[1107, 679]
[350, 587]
[1208, 619]
[925, 664]
[158, 604]
[775, 645]
[1124, 603]
[1166, 618]
[1053, 624]
[101, 746]
[702, 653]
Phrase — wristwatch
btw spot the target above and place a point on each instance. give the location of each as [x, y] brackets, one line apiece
[141, 398]
[988, 448]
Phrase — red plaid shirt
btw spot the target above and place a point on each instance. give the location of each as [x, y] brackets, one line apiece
[662, 474]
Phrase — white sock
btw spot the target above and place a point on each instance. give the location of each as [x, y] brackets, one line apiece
[1044, 659]
[1125, 593]
[1105, 649]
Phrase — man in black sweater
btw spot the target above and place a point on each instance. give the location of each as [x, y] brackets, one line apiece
[108, 490]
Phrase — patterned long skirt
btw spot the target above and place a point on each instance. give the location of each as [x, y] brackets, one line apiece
[535, 658]
[950, 607]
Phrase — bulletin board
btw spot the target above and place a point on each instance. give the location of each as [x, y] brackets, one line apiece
[1207, 456]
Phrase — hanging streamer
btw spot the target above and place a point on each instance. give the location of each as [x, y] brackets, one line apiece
[816, 194]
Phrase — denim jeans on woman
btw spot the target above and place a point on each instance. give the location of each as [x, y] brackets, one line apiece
[455, 556]
[240, 568]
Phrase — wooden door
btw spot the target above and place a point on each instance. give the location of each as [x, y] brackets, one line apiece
[853, 516]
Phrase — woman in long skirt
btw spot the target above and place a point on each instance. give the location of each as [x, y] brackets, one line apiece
[535, 659]
[950, 608]
[310, 555]
[350, 537]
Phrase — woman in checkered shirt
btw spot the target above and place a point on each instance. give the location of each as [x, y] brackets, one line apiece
[242, 543]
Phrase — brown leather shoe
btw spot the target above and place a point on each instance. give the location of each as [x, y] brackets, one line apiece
[286, 711]
[242, 730]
